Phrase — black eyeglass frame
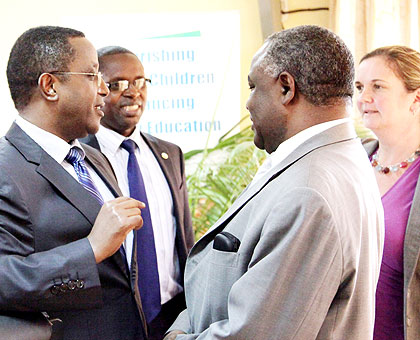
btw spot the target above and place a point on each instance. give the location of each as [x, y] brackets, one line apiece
[123, 84]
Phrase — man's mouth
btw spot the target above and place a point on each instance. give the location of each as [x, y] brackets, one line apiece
[99, 109]
[131, 108]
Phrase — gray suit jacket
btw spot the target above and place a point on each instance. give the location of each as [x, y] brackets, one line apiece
[311, 233]
[46, 262]
[411, 260]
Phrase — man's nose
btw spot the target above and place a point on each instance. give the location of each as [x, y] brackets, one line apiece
[103, 89]
[132, 91]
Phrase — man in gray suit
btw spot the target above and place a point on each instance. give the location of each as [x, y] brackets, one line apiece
[297, 255]
[59, 242]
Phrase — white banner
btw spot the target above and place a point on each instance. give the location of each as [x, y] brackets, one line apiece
[194, 63]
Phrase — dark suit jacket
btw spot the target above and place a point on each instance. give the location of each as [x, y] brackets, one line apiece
[46, 262]
[411, 260]
[174, 170]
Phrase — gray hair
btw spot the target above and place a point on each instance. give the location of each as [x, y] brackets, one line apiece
[319, 61]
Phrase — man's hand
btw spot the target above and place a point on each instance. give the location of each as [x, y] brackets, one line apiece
[114, 221]
[172, 335]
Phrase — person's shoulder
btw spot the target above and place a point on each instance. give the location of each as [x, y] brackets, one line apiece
[369, 140]
[10, 154]
[90, 140]
[4, 144]
[92, 152]
[370, 145]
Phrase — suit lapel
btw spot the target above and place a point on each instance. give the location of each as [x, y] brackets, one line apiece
[412, 238]
[69, 187]
[165, 164]
[54, 173]
[332, 135]
[91, 140]
[103, 169]
[168, 170]
[370, 145]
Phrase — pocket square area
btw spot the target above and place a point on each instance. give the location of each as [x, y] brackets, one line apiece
[225, 241]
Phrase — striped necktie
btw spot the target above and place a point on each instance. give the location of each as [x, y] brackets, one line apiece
[75, 158]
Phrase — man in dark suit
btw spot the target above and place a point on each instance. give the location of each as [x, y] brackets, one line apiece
[162, 168]
[59, 242]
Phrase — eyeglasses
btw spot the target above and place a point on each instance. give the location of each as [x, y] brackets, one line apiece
[91, 74]
[122, 85]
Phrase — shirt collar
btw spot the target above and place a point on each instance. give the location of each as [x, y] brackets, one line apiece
[289, 145]
[53, 145]
[111, 140]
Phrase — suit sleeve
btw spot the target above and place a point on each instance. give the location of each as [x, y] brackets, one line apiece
[62, 278]
[292, 278]
[182, 323]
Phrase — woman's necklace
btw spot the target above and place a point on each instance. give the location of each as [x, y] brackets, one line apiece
[385, 169]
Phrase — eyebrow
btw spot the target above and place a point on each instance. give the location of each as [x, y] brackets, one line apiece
[120, 78]
[379, 80]
[373, 80]
[93, 68]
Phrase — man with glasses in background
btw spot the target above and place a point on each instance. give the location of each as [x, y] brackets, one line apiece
[152, 171]
[61, 225]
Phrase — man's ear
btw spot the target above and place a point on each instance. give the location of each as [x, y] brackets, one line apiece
[46, 87]
[287, 83]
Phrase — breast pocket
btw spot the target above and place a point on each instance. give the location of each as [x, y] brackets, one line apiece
[224, 258]
[224, 271]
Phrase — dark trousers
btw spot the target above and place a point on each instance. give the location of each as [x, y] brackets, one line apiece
[167, 315]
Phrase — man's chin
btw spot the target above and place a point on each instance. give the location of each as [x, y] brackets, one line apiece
[132, 119]
[91, 130]
[258, 143]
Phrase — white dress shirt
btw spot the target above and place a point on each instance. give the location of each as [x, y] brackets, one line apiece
[289, 145]
[58, 149]
[160, 203]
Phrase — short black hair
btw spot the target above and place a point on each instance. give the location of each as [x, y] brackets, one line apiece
[110, 50]
[38, 50]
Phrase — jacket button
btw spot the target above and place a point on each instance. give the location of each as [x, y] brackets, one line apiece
[80, 284]
[408, 293]
[55, 290]
[63, 287]
[71, 285]
[409, 322]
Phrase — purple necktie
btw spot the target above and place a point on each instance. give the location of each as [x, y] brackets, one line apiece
[148, 275]
[75, 158]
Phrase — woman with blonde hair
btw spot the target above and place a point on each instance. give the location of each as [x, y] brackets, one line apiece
[388, 84]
